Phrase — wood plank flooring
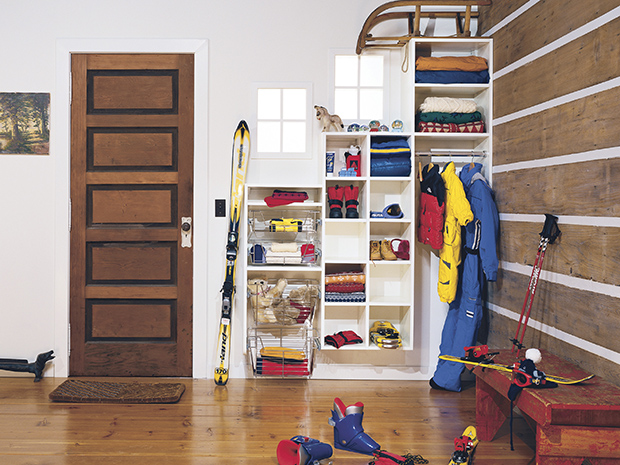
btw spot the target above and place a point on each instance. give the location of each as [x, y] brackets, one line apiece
[241, 423]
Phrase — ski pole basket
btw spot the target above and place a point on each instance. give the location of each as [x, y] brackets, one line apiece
[282, 352]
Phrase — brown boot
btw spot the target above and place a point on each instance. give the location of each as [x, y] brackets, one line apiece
[375, 250]
[386, 250]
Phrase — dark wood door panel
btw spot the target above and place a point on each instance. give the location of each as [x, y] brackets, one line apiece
[123, 91]
[122, 149]
[138, 320]
[137, 205]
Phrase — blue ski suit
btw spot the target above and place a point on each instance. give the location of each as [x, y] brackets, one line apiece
[480, 250]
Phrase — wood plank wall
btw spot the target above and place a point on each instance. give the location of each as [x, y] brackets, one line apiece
[556, 147]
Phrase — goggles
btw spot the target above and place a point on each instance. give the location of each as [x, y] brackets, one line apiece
[391, 211]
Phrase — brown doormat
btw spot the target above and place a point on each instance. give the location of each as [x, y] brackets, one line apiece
[75, 390]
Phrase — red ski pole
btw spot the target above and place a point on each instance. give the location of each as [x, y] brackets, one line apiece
[548, 235]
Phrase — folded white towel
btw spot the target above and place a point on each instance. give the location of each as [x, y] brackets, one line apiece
[279, 247]
[448, 105]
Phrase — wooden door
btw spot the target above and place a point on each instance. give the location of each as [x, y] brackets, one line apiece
[131, 186]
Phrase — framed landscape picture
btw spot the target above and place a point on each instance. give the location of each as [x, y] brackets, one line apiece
[24, 123]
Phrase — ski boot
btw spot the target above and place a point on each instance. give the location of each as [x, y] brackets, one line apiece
[351, 194]
[348, 431]
[301, 450]
[334, 196]
[464, 447]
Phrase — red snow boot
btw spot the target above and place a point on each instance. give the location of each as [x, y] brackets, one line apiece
[351, 194]
[334, 196]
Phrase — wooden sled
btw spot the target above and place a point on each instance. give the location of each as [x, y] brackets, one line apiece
[463, 20]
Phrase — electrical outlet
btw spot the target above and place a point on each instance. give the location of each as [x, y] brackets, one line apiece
[220, 207]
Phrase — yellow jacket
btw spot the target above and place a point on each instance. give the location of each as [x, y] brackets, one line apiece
[458, 213]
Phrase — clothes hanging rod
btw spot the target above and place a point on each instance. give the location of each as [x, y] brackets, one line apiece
[452, 153]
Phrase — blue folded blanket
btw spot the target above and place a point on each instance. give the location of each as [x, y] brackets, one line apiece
[452, 77]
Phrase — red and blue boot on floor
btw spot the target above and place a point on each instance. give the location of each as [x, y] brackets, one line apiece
[301, 450]
[348, 431]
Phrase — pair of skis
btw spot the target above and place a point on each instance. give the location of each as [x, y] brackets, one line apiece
[548, 236]
[240, 155]
[489, 363]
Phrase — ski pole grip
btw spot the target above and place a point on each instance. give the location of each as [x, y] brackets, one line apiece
[550, 229]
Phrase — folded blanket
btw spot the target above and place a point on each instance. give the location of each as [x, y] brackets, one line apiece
[456, 63]
[448, 105]
[395, 166]
[451, 127]
[345, 297]
[456, 118]
[388, 147]
[278, 247]
[288, 258]
[452, 77]
[267, 367]
[345, 287]
[347, 277]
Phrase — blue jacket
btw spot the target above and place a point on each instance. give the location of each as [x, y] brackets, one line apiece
[481, 234]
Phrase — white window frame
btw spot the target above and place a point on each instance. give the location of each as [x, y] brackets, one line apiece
[307, 153]
[386, 84]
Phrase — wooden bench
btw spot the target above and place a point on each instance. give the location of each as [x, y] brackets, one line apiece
[571, 422]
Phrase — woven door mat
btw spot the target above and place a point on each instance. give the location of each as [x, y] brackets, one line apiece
[75, 390]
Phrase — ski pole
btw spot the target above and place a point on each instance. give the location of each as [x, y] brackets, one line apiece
[548, 235]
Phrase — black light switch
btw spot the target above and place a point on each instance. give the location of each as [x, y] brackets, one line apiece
[220, 207]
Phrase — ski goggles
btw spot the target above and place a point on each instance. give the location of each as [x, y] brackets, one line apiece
[391, 211]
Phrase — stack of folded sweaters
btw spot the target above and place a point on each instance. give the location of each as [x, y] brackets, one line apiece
[446, 114]
[390, 156]
[452, 70]
[348, 286]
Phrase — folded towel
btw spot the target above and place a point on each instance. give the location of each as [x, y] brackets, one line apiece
[278, 247]
[452, 63]
[448, 105]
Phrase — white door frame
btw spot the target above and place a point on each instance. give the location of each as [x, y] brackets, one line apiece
[60, 148]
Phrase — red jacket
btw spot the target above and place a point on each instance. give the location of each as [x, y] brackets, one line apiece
[430, 229]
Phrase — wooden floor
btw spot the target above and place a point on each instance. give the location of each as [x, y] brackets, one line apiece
[241, 423]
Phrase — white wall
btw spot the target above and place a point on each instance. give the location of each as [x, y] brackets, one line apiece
[248, 41]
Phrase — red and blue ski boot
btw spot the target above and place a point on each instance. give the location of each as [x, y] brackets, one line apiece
[301, 450]
[348, 431]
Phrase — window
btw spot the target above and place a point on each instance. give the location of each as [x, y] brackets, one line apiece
[282, 121]
[359, 87]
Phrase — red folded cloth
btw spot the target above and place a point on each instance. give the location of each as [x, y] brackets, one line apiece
[280, 197]
[267, 367]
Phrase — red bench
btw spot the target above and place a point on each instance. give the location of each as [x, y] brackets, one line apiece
[572, 422]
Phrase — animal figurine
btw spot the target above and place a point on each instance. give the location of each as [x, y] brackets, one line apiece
[329, 122]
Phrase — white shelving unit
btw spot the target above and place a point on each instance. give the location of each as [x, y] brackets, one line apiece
[389, 284]
[260, 332]
[402, 292]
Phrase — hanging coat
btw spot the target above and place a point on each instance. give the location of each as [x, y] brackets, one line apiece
[480, 261]
[458, 213]
[432, 207]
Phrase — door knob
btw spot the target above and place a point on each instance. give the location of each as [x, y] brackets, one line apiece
[186, 232]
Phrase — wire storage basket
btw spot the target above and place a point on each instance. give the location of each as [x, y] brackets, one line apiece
[282, 301]
[282, 352]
